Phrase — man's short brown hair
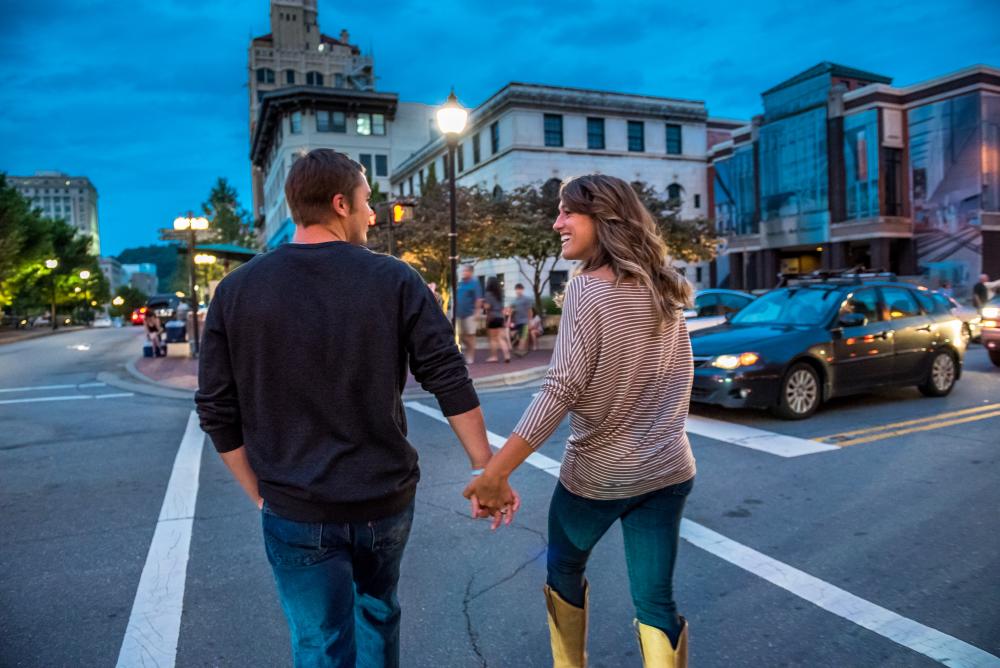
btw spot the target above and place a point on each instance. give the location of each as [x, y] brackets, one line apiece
[315, 179]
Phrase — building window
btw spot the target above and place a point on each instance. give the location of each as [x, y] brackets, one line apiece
[557, 279]
[475, 149]
[674, 194]
[289, 76]
[295, 123]
[697, 274]
[697, 201]
[338, 80]
[674, 146]
[494, 137]
[409, 185]
[314, 79]
[371, 124]
[553, 130]
[260, 95]
[381, 165]
[636, 136]
[420, 179]
[460, 152]
[366, 161]
[497, 193]
[331, 121]
[893, 182]
[595, 133]
[265, 75]
[444, 166]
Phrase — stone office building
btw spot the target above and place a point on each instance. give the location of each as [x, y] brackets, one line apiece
[535, 134]
[60, 196]
[843, 169]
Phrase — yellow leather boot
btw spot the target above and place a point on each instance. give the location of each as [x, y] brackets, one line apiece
[657, 652]
[567, 629]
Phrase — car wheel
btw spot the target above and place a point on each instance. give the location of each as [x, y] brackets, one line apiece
[941, 375]
[994, 357]
[800, 393]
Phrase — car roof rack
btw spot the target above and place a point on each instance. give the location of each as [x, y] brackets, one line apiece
[852, 276]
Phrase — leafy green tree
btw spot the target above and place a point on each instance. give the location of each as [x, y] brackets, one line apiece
[170, 269]
[132, 298]
[229, 222]
[688, 240]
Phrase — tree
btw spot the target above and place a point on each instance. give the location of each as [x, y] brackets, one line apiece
[133, 299]
[423, 241]
[169, 265]
[229, 222]
[687, 240]
[521, 228]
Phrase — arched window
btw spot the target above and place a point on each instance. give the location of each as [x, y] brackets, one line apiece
[265, 75]
[674, 192]
[497, 193]
[550, 189]
[314, 79]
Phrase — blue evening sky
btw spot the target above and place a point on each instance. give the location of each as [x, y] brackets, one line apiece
[149, 99]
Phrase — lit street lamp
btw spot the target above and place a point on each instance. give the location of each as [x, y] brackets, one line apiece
[85, 277]
[451, 119]
[191, 225]
[51, 266]
[205, 260]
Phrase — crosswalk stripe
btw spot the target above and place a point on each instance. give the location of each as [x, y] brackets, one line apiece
[930, 642]
[154, 625]
[67, 397]
[771, 442]
[843, 436]
[40, 388]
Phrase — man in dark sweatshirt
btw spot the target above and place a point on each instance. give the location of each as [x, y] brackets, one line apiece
[304, 359]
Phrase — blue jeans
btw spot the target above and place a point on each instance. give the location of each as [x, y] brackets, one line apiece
[337, 581]
[651, 526]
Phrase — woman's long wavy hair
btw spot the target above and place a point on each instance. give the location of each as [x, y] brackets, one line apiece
[628, 240]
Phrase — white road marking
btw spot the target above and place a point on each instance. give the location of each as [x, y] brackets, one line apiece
[155, 623]
[755, 439]
[930, 642]
[38, 388]
[67, 397]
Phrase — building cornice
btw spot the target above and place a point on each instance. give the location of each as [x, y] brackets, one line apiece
[975, 77]
[274, 104]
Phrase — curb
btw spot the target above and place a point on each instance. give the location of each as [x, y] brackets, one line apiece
[145, 384]
[501, 380]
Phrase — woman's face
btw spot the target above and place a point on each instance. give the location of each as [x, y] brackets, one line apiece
[578, 233]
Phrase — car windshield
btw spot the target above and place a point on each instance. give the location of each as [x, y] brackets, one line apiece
[790, 306]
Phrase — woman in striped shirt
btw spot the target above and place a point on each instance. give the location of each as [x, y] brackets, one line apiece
[622, 369]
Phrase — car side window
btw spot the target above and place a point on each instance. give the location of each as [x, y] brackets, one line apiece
[864, 302]
[933, 304]
[707, 305]
[900, 303]
[732, 303]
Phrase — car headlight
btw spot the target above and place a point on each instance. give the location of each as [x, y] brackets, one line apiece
[730, 362]
[991, 312]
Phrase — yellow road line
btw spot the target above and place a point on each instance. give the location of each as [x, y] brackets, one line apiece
[837, 438]
[911, 430]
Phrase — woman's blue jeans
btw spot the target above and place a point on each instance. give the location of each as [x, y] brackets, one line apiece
[651, 527]
[337, 584]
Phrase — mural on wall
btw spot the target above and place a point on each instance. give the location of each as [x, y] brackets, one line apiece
[946, 187]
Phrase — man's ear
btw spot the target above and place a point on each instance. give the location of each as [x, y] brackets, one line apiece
[340, 205]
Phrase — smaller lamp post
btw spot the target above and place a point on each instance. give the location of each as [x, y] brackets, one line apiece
[85, 277]
[51, 265]
[205, 260]
[192, 225]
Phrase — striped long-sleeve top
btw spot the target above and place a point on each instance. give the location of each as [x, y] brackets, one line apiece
[626, 384]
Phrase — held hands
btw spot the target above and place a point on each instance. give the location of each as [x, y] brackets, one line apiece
[492, 496]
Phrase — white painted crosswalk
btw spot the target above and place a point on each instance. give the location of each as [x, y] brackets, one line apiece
[906, 632]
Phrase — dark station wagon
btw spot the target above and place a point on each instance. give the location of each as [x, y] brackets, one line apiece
[827, 335]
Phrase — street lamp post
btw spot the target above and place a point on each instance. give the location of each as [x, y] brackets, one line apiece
[451, 119]
[85, 277]
[51, 266]
[192, 225]
[205, 260]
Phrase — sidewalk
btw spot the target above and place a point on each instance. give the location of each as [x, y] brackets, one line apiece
[181, 373]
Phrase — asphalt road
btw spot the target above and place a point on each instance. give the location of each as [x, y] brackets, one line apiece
[905, 520]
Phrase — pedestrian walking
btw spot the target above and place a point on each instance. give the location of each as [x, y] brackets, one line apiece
[468, 303]
[303, 362]
[496, 328]
[521, 317]
[982, 291]
[622, 369]
[535, 329]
